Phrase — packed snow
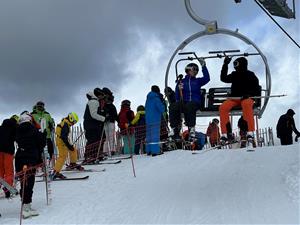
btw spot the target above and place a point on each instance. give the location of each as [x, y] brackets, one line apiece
[229, 186]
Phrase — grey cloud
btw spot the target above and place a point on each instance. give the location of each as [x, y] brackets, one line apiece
[50, 50]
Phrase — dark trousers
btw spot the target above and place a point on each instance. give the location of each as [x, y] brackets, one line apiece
[50, 147]
[286, 140]
[27, 186]
[93, 137]
[189, 110]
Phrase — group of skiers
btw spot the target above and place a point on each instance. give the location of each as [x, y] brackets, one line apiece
[143, 132]
[31, 132]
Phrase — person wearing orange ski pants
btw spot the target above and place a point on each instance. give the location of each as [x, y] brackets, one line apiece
[247, 108]
[7, 167]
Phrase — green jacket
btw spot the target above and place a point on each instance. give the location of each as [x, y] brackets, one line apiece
[50, 124]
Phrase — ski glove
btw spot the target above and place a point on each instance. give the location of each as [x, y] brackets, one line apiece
[202, 61]
[227, 60]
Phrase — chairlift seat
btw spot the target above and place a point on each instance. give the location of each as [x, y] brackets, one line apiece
[215, 97]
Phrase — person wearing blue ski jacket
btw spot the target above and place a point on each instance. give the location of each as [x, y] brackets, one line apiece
[188, 99]
[154, 110]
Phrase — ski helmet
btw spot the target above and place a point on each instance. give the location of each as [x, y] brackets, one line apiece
[73, 117]
[15, 117]
[40, 105]
[240, 63]
[215, 120]
[192, 66]
[140, 108]
[125, 102]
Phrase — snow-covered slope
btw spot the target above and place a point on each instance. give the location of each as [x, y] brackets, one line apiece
[216, 187]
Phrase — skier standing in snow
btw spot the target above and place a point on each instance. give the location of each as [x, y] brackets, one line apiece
[154, 110]
[139, 123]
[30, 147]
[65, 148]
[188, 99]
[93, 125]
[213, 132]
[7, 150]
[285, 127]
[244, 84]
[40, 113]
[111, 116]
[126, 115]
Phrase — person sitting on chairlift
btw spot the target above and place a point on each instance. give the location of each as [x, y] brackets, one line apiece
[188, 99]
[244, 84]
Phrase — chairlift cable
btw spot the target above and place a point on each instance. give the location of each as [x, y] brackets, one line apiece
[277, 23]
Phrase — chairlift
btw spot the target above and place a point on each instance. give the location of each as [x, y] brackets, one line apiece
[215, 96]
[212, 99]
[259, 109]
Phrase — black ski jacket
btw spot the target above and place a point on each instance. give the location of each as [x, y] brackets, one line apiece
[243, 83]
[286, 126]
[30, 144]
[111, 113]
[8, 136]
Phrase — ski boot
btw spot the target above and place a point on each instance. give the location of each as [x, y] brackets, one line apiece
[6, 192]
[192, 134]
[227, 139]
[28, 211]
[174, 134]
[56, 175]
[74, 166]
[243, 140]
[251, 139]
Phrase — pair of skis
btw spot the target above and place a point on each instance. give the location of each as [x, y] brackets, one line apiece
[11, 189]
[101, 162]
[68, 178]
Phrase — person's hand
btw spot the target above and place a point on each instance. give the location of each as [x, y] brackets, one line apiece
[202, 61]
[180, 86]
[227, 60]
[72, 148]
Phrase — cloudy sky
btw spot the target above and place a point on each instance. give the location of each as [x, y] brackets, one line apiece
[58, 50]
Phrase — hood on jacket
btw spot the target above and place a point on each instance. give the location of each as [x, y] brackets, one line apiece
[153, 94]
[90, 95]
[290, 112]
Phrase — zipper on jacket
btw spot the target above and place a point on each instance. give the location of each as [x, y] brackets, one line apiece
[190, 89]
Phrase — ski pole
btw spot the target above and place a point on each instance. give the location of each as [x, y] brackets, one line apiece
[23, 191]
[77, 139]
